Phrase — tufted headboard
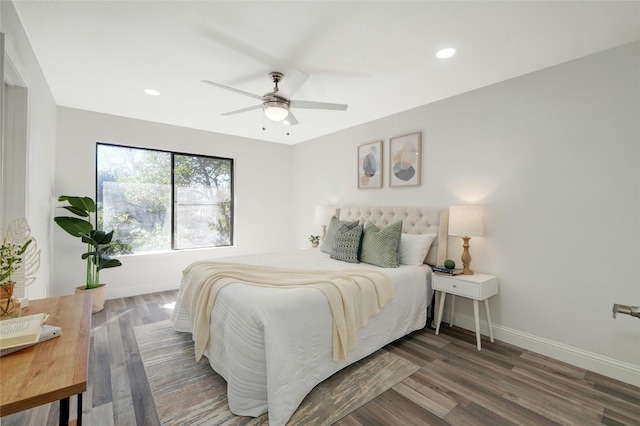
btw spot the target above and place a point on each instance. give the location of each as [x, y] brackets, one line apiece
[415, 220]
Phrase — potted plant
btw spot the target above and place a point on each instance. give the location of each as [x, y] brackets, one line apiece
[314, 240]
[11, 258]
[98, 244]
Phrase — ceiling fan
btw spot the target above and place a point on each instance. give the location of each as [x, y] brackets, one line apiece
[277, 103]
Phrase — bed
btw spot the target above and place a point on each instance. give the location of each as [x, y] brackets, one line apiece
[273, 345]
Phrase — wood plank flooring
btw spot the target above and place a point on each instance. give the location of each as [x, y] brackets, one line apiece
[456, 384]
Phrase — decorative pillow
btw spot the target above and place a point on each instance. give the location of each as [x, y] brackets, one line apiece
[332, 230]
[414, 248]
[346, 244]
[380, 247]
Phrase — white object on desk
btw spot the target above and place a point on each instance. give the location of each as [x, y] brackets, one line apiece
[479, 287]
[48, 332]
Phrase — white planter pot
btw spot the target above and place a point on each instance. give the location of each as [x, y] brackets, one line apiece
[99, 295]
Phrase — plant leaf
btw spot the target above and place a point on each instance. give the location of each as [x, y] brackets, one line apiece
[74, 226]
[87, 239]
[24, 247]
[101, 237]
[76, 211]
[98, 236]
[107, 262]
[82, 203]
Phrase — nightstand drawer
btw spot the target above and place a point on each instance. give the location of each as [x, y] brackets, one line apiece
[476, 286]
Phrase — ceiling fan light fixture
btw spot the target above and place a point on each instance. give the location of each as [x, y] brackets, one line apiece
[276, 111]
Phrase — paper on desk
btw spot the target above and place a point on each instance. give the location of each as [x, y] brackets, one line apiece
[21, 330]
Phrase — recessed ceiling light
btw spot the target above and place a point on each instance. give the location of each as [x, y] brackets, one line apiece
[152, 92]
[446, 53]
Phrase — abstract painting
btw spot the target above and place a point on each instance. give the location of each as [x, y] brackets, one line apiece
[370, 165]
[404, 160]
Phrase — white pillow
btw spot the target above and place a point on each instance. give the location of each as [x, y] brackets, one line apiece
[414, 248]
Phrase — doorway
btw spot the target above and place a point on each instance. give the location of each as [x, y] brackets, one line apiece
[13, 144]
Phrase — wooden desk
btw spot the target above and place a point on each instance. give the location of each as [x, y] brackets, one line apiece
[52, 370]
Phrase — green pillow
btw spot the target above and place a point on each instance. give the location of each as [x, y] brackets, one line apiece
[346, 244]
[332, 230]
[380, 247]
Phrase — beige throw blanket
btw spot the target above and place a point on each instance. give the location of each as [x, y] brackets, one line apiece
[354, 295]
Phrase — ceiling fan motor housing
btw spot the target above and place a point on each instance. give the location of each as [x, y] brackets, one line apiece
[272, 100]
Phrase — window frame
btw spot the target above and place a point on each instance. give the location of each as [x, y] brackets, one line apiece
[173, 193]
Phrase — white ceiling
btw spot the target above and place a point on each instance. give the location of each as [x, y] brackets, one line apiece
[378, 57]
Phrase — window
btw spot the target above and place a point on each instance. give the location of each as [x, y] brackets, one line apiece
[160, 200]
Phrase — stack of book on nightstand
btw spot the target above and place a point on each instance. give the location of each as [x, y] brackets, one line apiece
[22, 332]
[446, 271]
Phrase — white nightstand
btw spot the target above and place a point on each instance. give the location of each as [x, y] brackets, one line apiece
[478, 287]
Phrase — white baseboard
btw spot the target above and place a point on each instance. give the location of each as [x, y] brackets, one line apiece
[606, 366]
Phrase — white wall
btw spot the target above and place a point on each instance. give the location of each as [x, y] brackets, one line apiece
[41, 145]
[554, 157]
[262, 196]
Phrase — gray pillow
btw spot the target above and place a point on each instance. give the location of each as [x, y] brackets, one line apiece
[380, 247]
[346, 244]
[332, 230]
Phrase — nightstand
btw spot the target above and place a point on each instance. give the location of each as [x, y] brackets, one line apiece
[478, 287]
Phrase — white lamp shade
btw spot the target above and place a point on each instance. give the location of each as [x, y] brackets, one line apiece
[275, 112]
[466, 221]
[323, 214]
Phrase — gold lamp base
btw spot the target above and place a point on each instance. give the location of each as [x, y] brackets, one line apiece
[466, 257]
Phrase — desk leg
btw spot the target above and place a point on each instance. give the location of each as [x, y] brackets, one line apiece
[79, 414]
[486, 308]
[477, 317]
[440, 309]
[64, 412]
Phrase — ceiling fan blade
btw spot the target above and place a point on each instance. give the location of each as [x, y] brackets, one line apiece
[292, 84]
[251, 108]
[318, 105]
[242, 92]
[291, 119]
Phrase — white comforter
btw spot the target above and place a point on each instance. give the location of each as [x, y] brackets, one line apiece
[273, 345]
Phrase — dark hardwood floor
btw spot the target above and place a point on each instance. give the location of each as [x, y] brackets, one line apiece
[456, 385]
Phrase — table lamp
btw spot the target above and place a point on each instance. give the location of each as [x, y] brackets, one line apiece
[466, 222]
[323, 216]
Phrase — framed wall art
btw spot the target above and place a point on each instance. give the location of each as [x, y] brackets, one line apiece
[370, 165]
[404, 160]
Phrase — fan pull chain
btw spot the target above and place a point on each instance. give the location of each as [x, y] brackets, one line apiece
[264, 126]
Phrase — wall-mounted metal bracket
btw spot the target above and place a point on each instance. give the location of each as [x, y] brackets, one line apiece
[634, 311]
